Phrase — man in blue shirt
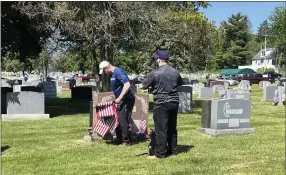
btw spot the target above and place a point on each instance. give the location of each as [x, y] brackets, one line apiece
[125, 98]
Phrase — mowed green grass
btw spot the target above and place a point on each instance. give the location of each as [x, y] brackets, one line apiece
[55, 146]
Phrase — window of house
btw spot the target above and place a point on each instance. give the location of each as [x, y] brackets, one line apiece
[261, 61]
[263, 53]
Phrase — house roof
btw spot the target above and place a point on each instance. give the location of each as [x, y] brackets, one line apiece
[268, 56]
[236, 71]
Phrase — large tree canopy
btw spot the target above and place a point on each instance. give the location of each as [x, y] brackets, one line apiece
[21, 36]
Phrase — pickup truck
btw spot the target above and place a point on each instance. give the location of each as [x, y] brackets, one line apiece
[85, 78]
[254, 78]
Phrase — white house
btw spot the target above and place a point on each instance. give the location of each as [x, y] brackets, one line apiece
[263, 59]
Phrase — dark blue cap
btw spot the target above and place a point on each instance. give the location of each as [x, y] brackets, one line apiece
[162, 54]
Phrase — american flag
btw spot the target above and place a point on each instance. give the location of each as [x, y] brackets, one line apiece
[107, 118]
[143, 124]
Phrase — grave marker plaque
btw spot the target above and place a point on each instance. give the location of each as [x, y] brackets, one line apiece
[238, 94]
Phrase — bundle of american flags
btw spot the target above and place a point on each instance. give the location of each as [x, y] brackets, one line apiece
[107, 118]
[143, 123]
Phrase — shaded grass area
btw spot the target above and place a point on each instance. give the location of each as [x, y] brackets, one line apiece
[55, 146]
[64, 105]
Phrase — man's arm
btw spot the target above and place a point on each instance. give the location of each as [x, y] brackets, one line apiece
[147, 82]
[123, 78]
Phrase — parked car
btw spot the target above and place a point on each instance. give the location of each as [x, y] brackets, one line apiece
[254, 78]
[230, 80]
[271, 74]
[86, 78]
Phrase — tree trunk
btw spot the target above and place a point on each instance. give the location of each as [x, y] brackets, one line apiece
[95, 67]
[106, 54]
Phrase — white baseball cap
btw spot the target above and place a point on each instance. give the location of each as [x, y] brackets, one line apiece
[103, 65]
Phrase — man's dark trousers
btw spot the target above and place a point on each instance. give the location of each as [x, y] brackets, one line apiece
[165, 120]
[124, 110]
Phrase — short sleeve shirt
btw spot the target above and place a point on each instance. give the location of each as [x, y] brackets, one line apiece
[118, 79]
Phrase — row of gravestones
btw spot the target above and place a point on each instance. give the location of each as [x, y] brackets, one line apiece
[207, 92]
[219, 116]
[274, 93]
[185, 93]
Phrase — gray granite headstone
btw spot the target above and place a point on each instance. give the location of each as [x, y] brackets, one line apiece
[50, 89]
[25, 105]
[238, 93]
[31, 83]
[206, 113]
[185, 101]
[217, 88]
[265, 83]
[197, 86]
[269, 92]
[282, 94]
[230, 113]
[229, 116]
[205, 92]
[245, 84]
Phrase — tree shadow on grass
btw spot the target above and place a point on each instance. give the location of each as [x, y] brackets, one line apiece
[184, 148]
[66, 106]
[180, 149]
[4, 148]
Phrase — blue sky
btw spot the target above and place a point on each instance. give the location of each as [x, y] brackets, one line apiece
[257, 12]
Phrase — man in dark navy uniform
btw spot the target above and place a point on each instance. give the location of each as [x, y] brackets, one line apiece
[125, 98]
[164, 81]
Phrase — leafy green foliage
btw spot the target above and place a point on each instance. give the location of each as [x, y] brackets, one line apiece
[21, 35]
[128, 33]
[278, 30]
[11, 63]
[263, 30]
[237, 36]
[262, 70]
[73, 61]
[253, 46]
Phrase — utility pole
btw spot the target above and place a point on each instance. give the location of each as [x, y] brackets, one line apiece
[265, 42]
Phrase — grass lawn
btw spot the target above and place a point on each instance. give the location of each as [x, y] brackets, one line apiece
[55, 146]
